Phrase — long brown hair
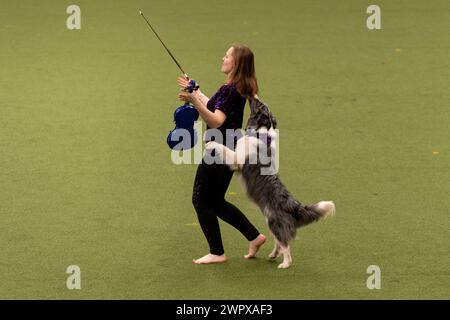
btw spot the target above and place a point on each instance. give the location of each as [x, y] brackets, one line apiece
[243, 75]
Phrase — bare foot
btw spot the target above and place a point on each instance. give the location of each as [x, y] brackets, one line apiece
[210, 258]
[254, 245]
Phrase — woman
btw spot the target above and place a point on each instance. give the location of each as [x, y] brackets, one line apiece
[225, 110]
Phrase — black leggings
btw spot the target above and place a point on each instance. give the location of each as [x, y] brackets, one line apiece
[211, 183]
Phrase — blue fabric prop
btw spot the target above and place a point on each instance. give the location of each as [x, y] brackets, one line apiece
[184, 118]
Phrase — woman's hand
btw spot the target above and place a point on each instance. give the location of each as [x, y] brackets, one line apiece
[186, 96]
[213, 119]
[183, 82]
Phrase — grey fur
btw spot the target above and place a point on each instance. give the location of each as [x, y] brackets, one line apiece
[284, 214]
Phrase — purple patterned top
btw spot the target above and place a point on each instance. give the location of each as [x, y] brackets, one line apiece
[228, 100]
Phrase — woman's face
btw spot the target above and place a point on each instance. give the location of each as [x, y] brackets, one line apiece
[228, 62]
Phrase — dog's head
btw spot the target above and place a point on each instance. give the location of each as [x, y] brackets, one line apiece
[260, 116]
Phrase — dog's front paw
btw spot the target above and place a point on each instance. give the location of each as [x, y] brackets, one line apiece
[211, 145]
[215, 151]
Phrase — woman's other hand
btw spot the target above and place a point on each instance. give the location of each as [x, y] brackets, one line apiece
[188, 97]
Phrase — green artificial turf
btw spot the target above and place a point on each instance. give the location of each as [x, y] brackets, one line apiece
[86, 176]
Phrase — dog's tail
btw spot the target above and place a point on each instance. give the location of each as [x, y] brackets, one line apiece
[324, 208]
[315, 212]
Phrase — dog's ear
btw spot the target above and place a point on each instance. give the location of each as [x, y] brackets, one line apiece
[274, 123]
[253, 104]
[264, 117]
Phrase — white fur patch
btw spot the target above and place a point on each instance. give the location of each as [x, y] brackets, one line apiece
[327, 207]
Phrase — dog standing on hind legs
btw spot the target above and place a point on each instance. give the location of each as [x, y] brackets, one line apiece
[283, 213]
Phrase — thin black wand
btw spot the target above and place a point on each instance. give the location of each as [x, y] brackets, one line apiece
[168, 51]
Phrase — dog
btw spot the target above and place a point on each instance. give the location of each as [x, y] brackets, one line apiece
[283, 213]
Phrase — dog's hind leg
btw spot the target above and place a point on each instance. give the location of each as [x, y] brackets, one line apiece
[282, 232]
[287, 259]
[276, 250]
